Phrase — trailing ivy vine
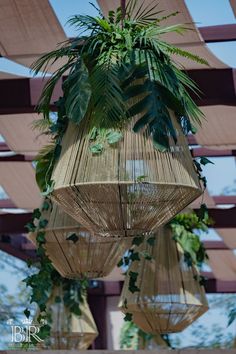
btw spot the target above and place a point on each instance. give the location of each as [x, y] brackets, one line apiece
[46, 278]
[185, 228]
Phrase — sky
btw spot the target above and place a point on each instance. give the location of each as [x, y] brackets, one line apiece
[204, 13]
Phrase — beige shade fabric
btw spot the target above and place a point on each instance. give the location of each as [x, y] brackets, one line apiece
[223, 264]
[103, 192]
[28, 29]
[18, 180]
[228, 236]
[69, 331]
[233, 5]
[191, 40]
[6, 76]
[219, 127]
[170, 297]
[90, 256]
[18, 132]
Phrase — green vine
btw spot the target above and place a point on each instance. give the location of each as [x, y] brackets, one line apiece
[42, 282]
[132, 337]
[184, 227]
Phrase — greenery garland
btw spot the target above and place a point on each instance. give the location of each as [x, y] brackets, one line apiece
[42, 282]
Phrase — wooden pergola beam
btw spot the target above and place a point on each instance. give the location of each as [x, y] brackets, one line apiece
[223, 218]
[198, 152]
[218, 33]
[21, 95]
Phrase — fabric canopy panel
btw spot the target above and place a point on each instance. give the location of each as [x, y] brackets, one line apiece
[223, 264]
[6, 76]
[19, 135]
[228, 236]
[233, 5]
[192, 40]
[18, 180]
[219, 127]
[28, 29]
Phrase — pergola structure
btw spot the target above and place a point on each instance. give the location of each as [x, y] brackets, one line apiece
[29, 29]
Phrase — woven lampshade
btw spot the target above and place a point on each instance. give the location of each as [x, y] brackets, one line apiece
[89, 256]
[69, 331]
[128, 188]
[170, 297]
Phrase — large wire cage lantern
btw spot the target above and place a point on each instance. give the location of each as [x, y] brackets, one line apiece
[75, 252]
[69, 331]
[170, 296]
[128, 188]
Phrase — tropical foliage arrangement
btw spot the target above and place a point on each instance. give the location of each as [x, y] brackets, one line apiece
[117, 67]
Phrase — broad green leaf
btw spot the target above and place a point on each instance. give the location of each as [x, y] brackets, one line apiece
[141, 178]
[135, 256]
[73, 237]
[27, 313]
[120, 263]
[128, 317]
[43, 223]
[77, 92]
[138, 240]
[36, 213]
[49, 189]
[96, 148]
[142, 122]
[114, 137]
[151, 241]
[204, 161]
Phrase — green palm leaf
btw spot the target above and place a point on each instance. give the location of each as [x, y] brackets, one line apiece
[77, 92]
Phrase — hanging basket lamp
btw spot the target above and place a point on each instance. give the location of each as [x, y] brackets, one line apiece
[77, 254]
[120, 164]
[127, 189]
[170, 296]
[69, 331]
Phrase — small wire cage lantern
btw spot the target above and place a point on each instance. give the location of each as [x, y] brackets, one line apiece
[170, 296]
[75, 252]
[69, 331]
[128, 188]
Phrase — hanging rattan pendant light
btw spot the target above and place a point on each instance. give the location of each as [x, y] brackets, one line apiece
[128, 188]
[69, 331]
[170, 297]
[82, 254]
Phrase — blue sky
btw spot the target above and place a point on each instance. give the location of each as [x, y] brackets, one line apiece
[204, 13]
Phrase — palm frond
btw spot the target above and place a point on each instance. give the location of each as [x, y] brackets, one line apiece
[42, 125]
[144, 14]
[107, 96]
[45, 61]
[169, 48]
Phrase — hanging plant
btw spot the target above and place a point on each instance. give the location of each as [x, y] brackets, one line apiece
[132, 107]
[119, 67]
[169, 296]
[74, 251]
[185, 228]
